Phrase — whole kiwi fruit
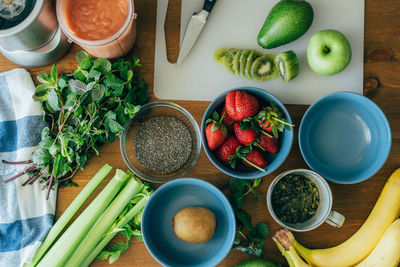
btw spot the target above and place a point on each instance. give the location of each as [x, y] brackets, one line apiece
[194, 224]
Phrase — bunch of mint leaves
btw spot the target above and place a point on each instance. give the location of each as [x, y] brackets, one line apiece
[83, 109]
[249, 239]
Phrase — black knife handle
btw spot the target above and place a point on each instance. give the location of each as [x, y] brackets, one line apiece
[208, 5]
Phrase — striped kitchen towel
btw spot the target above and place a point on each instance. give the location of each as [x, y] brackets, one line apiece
[25, 214]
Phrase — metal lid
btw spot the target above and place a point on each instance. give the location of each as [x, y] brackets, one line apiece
[25, 23]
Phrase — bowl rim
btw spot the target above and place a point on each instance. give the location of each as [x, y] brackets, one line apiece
[365, 101]
[198, 143]
[233, 173]
[228, 210]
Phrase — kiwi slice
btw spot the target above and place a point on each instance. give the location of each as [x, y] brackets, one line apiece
[250, 59]
[236, 62]
[228, 62]
[243, 61]
[219, 55]
[287, 65]
[263, 68]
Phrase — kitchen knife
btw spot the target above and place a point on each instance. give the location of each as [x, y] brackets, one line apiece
[194, 29]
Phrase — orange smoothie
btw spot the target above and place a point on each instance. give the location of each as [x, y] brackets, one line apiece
[96, 19]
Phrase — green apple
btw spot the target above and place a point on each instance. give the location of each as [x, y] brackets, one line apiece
[328, 52]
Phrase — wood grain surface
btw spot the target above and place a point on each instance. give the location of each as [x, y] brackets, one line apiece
[382, 85]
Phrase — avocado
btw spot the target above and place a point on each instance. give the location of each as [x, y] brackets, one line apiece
[257, 263]
[287, 21]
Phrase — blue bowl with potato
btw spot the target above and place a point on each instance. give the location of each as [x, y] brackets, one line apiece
[160, 214]
[345, 137]
[274, 160]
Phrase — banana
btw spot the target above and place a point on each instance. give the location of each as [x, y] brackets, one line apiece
[284, 240]
[357, 247]
[387, 252]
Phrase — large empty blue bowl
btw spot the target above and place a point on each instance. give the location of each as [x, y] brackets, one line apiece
[161, 208]
[345, 137]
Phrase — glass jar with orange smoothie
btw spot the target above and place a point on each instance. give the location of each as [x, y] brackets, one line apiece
[104, 28]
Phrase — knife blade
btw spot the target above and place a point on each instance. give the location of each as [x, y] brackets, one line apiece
[193, 30]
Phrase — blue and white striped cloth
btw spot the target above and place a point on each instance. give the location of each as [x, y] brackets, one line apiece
[25, 214]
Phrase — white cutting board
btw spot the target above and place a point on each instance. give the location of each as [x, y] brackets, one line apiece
[235, 24]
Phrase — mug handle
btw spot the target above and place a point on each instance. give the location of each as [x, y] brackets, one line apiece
[335, 219]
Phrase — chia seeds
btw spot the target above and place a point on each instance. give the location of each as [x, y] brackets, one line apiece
[163, 144]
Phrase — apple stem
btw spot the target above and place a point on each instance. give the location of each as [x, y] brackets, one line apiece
[326, 49]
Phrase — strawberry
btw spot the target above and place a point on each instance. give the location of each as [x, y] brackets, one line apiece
[228, 121]
[270, 144]
[227, 149]
[240, 105]
[216, 132]
[250, 157]
[271, 119]
[255, 157]
[244, 133]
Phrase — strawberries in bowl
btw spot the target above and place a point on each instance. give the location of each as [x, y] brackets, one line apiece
[258, 129]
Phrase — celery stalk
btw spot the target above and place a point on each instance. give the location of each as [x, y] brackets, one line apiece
[104, 223]
[111, 233]
[70, 240]
[70, 212]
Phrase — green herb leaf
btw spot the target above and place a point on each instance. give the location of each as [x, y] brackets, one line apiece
[98, 92]
[244, 218]
[129, 75]
[62, 83]
[111, 122]
[136, 61]
[44, 78]
[77, 86]
[80, 56]
[41, 92]
[53, 73]
[262, 228]
[257, 182]
[52, 100]
[237, 200]
[102, 62]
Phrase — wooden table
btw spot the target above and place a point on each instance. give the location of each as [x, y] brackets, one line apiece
[381, 84]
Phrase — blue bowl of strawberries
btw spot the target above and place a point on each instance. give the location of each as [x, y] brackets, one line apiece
[246, 132]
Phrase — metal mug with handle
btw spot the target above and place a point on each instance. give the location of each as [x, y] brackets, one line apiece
[324, 213]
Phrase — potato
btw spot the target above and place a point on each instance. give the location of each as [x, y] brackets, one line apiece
[194, 224]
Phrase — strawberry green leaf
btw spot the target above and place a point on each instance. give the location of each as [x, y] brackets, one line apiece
[223, 129]
[215, 116]
[245, 150]
[243, 126]
[209, 121]
[214, 127]
[274, 131]
[232, 163]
